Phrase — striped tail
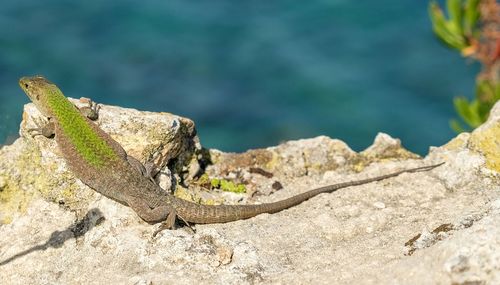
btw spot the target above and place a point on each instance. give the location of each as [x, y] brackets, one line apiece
[204, 214]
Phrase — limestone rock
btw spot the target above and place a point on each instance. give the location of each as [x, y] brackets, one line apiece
[437, 227]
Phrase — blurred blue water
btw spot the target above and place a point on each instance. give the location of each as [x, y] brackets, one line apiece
[250, 73]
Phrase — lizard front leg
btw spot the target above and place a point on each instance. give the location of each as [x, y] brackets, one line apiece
[45, 128]
[149, 169]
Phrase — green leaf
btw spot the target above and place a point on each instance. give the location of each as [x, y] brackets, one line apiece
[475, 112]
[486, 92]
[462, 108]
[471, 16]
[456, 12]
[443, 28]
[484, 111]
[486, 98]
[468, 112]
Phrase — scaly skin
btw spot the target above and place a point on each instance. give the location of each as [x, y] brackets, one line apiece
[101, 163]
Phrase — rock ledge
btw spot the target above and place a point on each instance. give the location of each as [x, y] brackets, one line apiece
[441, 226]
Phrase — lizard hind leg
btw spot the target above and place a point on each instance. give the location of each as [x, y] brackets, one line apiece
[152, 215]
[168, 224]
[165, 213]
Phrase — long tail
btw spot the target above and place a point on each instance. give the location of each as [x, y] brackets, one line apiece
[203, 214]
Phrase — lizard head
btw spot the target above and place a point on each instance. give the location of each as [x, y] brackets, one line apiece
[39, 90]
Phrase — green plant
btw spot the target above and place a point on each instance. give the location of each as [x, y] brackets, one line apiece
[472, 27]
[458, 31]
[475, 112]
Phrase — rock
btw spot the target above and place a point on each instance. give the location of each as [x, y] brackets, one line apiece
[441, 226]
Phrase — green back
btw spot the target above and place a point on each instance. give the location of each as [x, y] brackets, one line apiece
[87, 142]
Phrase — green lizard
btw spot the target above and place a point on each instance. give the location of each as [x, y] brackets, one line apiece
[102, 164]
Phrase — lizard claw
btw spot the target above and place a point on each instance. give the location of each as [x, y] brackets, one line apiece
[169, 224]
[191, 228]
[162, 227]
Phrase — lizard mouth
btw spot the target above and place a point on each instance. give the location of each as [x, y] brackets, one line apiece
[23, 83]
[26, 85]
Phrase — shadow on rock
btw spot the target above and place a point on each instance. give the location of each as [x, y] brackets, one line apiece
[93, 218]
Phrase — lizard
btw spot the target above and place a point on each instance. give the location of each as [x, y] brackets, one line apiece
[99, 161]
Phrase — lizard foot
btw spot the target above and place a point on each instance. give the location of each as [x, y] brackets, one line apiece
[191, 228]
[44, 127]
[168, 224]
[92, 110]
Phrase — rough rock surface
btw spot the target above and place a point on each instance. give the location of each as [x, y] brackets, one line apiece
[437, 227]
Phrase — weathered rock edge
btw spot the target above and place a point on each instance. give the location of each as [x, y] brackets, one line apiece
[440, 227]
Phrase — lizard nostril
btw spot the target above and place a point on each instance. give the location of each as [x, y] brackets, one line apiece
[26, 85]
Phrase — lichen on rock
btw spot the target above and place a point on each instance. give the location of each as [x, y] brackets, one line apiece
[56, 230]
[486, 139]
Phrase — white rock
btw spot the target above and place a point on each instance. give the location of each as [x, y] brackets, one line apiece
[58, 231]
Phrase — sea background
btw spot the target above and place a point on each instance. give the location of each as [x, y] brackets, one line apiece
[249, 73]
